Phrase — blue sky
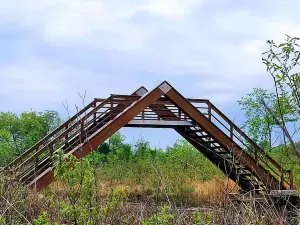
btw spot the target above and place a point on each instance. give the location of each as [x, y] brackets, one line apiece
[53, 49]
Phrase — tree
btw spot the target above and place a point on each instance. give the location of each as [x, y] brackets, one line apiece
[142, 149]
[19, 132]
[259, 124]
[11, 133]
[116, 141]
[282, 62]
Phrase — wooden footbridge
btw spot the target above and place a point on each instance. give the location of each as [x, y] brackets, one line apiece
[197, 120]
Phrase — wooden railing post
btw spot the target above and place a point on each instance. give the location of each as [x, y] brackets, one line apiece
[51, 152]
[95, 104]
[82, 131]
[179, 113]
[159, 118]
[111, 107]
[66, 128]
[291, 179]
[255, 155]
[36, 164]
[209, 111]
[143, 114]
[281, 178]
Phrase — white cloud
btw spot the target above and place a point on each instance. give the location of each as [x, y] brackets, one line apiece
[37, 83]
[95, 22]
[172, 9]
[193, 38]
[205, 48]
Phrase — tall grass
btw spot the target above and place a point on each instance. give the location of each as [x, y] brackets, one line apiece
[158, 196]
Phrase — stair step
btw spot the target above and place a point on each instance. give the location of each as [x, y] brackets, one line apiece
[211, 142]
[204, 136]
[223, 153]
[245, 174]
[194, 131]
[257, 183]
[216, 147]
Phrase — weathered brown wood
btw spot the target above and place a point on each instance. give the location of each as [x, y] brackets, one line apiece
[35, 147]
[256, 147]
[211, 129]
[59, 137]
[117, 123]
[105, 132]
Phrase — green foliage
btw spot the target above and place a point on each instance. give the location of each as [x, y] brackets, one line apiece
[282, 62]
[203, 218]
[78, 178]
[19, 132]
[42, 219]
[115, 200]
[260, 124]
[116, 141]
[181, 161]
[79, 181]
[272, 115]
[163, 217]
[183, 156]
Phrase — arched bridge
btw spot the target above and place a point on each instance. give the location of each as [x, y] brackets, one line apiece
[197, 120]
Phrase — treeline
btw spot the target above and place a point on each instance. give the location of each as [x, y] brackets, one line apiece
[19, 132]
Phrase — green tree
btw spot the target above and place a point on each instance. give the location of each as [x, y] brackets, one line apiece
[142, 149]
[116, 141]
[259, 123]
[282, 62]
[19, 132]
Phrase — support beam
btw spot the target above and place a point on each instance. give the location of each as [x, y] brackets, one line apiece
[159, 123]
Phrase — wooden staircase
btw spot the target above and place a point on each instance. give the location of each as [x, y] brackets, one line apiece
[197, 120]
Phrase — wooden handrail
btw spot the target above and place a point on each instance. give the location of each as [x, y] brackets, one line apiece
[256, 147]
[59, 137]
[66, 123]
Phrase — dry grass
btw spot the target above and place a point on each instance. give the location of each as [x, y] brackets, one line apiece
[212, 191]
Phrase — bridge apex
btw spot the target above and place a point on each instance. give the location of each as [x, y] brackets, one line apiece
[141, 91]
[165, 87]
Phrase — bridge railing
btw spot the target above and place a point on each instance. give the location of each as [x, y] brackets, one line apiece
[260, 156]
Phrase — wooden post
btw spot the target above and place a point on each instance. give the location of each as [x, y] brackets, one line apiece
[51, 152]
[82, 131]
[291, 179]
[281, 178]
[95, 104]
[111, 108]
[256, 157]
[209, 111]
